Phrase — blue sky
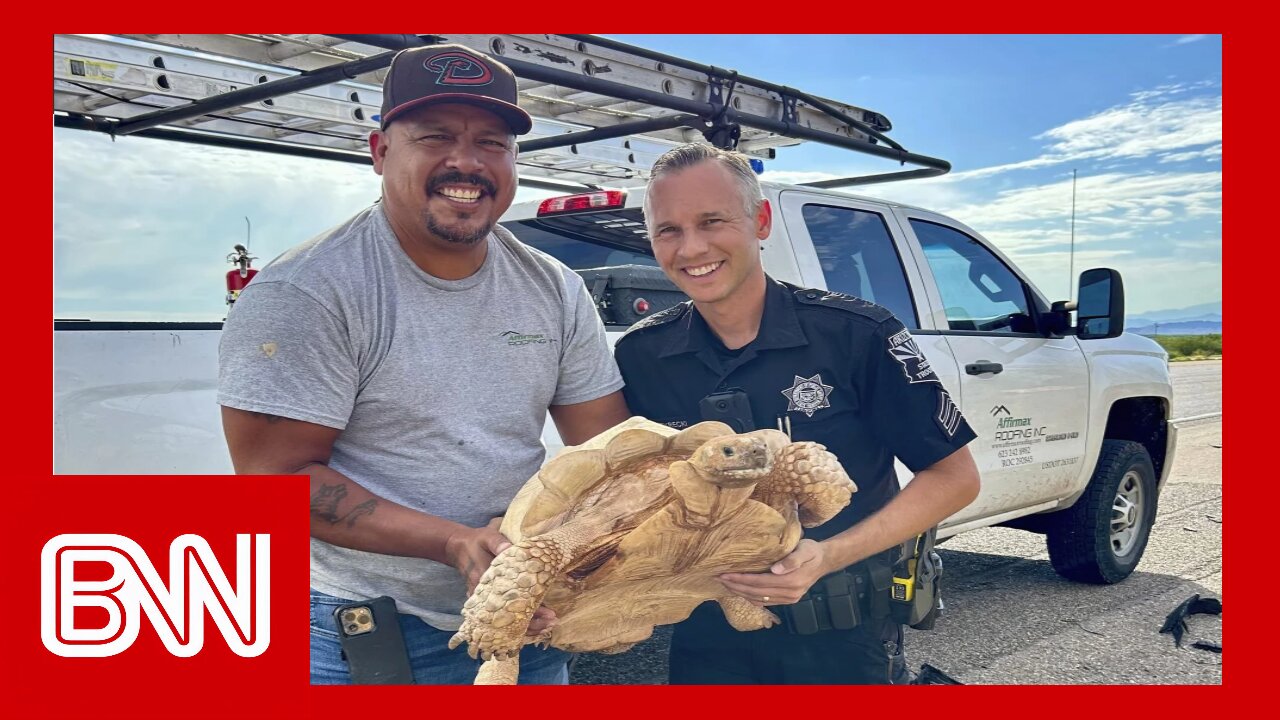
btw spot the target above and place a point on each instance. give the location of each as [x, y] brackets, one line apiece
[1138, 117]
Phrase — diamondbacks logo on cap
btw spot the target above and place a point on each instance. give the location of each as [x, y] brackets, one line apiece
[458, 68]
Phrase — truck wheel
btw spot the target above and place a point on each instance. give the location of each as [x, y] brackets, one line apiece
[1101, 538]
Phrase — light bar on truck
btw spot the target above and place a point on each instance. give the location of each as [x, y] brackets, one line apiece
[585, 201]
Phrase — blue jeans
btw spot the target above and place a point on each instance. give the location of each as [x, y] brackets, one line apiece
[432, 661]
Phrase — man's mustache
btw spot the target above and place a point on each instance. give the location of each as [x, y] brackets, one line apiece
[458, 178]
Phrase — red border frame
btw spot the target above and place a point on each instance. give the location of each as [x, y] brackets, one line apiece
[30, 426]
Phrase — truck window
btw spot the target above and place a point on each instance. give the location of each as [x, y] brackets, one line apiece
[589, 240]
[610, 250]
[979, 291]
[858, 258]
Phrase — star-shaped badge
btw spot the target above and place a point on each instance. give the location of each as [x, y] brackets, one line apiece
[808, 395]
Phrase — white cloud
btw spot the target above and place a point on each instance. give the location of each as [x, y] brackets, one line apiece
[1139, 129]
[1150, 284]
[932, 193]
[1046, 241]
[978, 173]
[1172, 88]
[142, 222]
[1189, 39]
[1099, 198]
[1154, 123]
[1123, 218]
[796, 177]
[1210, 153]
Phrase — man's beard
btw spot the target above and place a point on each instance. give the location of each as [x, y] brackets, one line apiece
[460, 234]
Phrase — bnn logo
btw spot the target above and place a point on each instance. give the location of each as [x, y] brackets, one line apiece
[175, 609]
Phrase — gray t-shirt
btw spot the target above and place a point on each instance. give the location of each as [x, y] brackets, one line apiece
[440, 387]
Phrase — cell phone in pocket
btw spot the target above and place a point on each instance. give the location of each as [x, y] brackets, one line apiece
[372, 643]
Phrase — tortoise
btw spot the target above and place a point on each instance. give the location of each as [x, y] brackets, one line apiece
[630, 530]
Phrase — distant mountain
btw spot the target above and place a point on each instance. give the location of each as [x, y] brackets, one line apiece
[1195, 320]
[1194, 312]
[1176, 328]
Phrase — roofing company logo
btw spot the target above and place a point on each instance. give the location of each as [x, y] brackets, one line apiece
[995, 411]
[517, 338]
[176, 610]
[459, 68]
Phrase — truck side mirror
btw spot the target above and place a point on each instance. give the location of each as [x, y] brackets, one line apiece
[1100, 304]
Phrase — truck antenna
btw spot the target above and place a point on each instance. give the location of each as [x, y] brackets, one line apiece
[1070, 267]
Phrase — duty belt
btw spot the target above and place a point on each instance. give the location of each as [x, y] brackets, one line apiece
[844, 599]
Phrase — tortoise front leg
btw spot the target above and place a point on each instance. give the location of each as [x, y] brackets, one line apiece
[496, 616]
[743, 615]
[807, 474]
[499, 672]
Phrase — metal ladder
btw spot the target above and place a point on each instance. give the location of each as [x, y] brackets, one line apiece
[602, 111]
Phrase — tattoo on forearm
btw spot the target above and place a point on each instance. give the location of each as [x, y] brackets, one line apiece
[364, 508]
[325, 501]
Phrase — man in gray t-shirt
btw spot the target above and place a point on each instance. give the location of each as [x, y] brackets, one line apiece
[406, 360]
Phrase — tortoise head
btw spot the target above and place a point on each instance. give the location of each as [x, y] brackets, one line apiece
[733, 460]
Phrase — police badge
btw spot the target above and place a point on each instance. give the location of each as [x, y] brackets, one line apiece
[808, 395]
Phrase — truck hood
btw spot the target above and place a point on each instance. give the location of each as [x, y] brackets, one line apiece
[1127, 344]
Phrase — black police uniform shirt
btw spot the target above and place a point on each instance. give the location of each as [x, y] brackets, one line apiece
[845, 371]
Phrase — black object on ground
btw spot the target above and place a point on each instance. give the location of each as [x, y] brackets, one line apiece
[930, 675]
[1176, 622]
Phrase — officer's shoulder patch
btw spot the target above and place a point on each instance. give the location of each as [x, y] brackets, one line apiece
[840, 301]
[671, 314]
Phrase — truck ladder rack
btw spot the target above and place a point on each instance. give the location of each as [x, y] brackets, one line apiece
[603, 110]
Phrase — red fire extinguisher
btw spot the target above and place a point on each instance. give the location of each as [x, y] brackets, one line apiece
[237, 279]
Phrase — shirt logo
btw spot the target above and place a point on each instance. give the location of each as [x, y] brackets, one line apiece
[808, 395]
[903, 348]
[515, 338]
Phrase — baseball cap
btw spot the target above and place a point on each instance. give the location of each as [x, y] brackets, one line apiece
[451, 74]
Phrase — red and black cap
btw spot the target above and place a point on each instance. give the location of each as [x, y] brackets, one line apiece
[451, 74]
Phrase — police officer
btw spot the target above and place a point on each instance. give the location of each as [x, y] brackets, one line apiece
[826, 367]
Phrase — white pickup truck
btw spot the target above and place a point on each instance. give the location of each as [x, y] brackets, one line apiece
[1072, 415]
[1073, 425]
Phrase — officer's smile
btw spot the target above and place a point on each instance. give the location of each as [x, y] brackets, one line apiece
[703, 270]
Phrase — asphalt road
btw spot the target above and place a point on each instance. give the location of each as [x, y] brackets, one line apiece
[1011, 620]
[1197, 388]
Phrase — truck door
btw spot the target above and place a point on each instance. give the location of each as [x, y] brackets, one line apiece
[850, 246]
[1024, 394]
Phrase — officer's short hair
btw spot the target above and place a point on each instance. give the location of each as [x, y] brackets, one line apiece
[686, 156]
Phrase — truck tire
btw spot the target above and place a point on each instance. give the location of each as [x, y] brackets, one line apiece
[1101, 538]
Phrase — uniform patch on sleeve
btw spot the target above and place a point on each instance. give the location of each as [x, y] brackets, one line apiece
[903, 348]
[948, 414]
